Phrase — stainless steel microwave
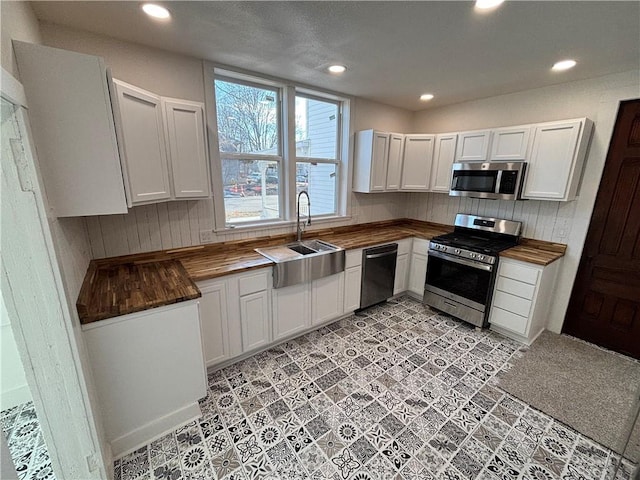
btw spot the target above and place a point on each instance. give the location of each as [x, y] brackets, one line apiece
[494, 180]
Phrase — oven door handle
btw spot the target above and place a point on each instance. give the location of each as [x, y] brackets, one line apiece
[461, 261]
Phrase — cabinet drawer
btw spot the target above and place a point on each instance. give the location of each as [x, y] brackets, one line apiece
[420, 246]
[508, 320]
[253, 283]
[352, 258]
[514, 304]
[518, 272]
[515, 287]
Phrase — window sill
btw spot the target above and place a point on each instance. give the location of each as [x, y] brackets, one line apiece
[256, 227]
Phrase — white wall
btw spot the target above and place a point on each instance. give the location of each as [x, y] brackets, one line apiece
[178, 224]
[596, 99]
[19, 23]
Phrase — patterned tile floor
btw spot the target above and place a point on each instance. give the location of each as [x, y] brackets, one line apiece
[26, 445]
[398, 392]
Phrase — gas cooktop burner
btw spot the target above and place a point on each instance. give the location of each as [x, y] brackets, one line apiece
[477, 238]
[489, 246]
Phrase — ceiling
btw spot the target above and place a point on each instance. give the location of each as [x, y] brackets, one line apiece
[394, 51]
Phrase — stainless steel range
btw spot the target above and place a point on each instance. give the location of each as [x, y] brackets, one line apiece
[462, 266]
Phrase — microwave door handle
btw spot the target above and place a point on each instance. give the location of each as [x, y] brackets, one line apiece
[454, 183]
[498, 181]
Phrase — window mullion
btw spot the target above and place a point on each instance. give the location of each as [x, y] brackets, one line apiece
[289, 167]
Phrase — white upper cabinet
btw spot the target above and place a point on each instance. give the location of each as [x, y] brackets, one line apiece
[557, 156]
[417, 160]
[372, 160]
[473, 146]
[394, 163]
[186, 146]
[143, 144]
[510, 143]
[73, 130]
[164, 146]
[445, 151]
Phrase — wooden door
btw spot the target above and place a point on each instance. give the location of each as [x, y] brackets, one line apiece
[445, 151]
[605, 302]
[394, 164]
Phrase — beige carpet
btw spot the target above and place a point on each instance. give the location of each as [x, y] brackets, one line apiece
[590, 389]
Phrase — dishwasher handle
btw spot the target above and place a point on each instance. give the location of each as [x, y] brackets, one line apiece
[378, 255]
[381, 250]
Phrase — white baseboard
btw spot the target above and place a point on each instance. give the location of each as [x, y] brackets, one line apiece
[15, 396]
[151, 431]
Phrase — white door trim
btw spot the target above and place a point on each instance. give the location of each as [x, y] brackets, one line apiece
[46, 342]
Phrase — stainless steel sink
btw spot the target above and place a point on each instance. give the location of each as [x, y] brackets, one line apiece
[303, 261]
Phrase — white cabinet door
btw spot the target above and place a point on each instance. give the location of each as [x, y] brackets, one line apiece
[144, 146]
[394, 163]
[73, 130]
[186, 143]
[445, 152]
[327, 298]
[418, 158]
[214, 320]
[291, 310]
[352, 285]
[402, 272]
[555, 154]
[254, 317]
[370, 161]
[510, 143]
[473, 146]
[417, 274]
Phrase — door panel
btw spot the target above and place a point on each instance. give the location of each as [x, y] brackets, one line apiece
[605, 302]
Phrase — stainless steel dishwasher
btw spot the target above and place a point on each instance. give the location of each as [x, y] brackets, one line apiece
[378, 274]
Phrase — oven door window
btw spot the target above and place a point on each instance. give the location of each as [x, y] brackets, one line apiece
[462, 280]
[474, 180]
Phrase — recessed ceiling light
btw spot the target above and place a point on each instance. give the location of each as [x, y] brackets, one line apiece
[487, 4]
[426, 97]
[563, 65]
[337, 68]
[156, 11]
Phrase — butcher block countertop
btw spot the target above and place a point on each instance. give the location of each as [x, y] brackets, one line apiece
[110, 290]
[121, 285]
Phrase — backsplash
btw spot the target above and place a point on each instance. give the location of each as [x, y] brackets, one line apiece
[542, 220]
[165, 226]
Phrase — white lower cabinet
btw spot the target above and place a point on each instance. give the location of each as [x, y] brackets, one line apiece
[402, 270]
[149, 373]
[418, 267]
[327, 298]
[402, 266]
[352, 287]
[521, 298]
[291, 310]
[214, 319]
[254, 316]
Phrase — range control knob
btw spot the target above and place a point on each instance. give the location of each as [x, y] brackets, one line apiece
[472, 255]
[480, 257]
[457, 250]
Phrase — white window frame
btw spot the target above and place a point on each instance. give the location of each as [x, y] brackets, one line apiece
[333, 161]
[287, 142]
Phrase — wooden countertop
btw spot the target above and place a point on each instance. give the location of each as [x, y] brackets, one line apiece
[120, 285]
[110, 290]
[536, 251]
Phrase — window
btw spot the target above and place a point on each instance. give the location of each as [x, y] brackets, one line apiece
[250, 151]
[317, 135]
[261, 166]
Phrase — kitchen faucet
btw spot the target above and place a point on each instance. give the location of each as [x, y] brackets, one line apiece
[298, 229]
